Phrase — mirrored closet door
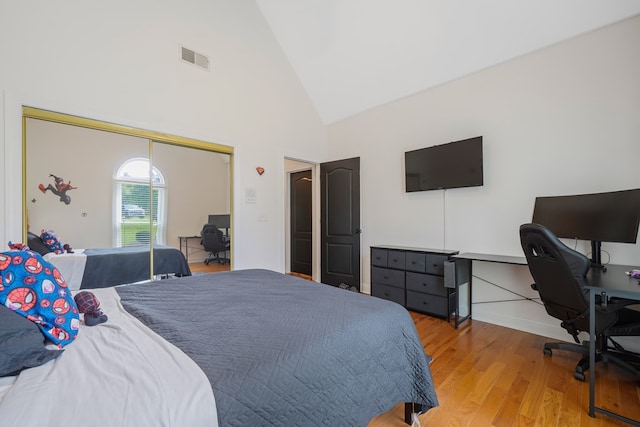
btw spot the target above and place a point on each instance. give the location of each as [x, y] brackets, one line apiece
[100, 185]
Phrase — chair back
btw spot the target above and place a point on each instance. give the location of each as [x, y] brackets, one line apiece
[559, 273]
[212, 238]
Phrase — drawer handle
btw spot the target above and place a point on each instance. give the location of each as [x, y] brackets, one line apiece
[435, 265]
[386, 294]
[425, 302]
[386, 277]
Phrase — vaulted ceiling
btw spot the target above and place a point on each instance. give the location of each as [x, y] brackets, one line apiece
[354, 55]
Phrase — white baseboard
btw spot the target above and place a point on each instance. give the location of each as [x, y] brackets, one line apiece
[532, 326]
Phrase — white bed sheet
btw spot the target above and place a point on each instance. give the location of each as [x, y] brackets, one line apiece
[119, 373]
[71, 266]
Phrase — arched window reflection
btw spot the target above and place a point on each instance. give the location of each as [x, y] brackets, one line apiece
[140, 195]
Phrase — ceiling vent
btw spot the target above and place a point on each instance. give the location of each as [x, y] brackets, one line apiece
[194, 58]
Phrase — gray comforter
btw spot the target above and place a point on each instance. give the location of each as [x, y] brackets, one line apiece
[114, 266]
[282, 351]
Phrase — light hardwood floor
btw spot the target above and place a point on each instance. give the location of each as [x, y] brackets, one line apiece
[488, 375]
[200, 267]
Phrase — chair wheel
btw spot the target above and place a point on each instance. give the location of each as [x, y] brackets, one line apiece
[206, 262]
[579, 376]
[547, 351]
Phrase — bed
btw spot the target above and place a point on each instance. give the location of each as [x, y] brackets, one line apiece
[248, 347]
[102, 267]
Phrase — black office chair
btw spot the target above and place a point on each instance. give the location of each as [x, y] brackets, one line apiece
[214, 242]
[560, 273]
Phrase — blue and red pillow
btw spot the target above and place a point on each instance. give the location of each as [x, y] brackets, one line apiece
[52, 241]
[34, 288]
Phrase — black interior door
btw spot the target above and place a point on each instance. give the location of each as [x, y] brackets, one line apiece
[340, 222]
[301, 222]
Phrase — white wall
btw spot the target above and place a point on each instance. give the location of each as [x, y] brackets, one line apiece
[562, 120]
[119, 62]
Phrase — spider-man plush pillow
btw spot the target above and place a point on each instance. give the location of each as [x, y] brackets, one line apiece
[35, 289]
[52, 241]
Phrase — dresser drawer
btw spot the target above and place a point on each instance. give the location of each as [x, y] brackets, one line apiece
[414, 278]
[389, 293]
[396, 259]
[426, 283]
[428, 303]
[379, 257]
[435, 264]
[385, 276]
[416, 261]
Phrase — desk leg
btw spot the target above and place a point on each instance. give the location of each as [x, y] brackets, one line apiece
[592, 364]
[463, 276]
[592, 352]
[186, 247]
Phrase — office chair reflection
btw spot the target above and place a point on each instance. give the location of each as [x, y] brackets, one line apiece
[560, 273]
[215, 243]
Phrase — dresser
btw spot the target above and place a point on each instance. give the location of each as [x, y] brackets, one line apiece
[414, 278]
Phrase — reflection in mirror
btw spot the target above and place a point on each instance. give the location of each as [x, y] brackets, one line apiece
[135, 205]
[105, 187]
[86, 161]
[197, 185]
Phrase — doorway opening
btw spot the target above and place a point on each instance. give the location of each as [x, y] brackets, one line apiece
[301, 219]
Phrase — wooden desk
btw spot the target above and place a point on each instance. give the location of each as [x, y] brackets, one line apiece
[611, 283]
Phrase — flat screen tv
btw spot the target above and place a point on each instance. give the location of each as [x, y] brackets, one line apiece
[453, 165]
[598, 217]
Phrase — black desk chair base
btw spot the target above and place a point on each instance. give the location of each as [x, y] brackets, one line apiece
[215, 257]
[624, 359]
